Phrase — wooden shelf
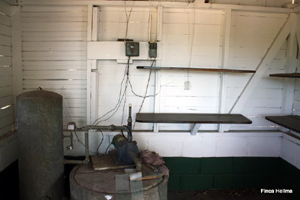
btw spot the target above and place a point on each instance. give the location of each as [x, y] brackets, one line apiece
[291, 122]
[286, 75]
[196, 118]
[198, 69]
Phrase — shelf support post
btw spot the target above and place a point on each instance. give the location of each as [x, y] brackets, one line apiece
[159, 28]
[89, 66]
[261, 69]
[92, 74]
[195, 129]
[225, 64]
[289, 84]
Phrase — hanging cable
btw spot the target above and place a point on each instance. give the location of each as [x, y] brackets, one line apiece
[191, 41]
[123, 134]
[82, 142]
[122, 94]
[100, 143]
[127, 81]
[149, 77]
[127, 20]
[123, 110]
[70, 117]
[146, 91]
[107, 148]
[120, 99]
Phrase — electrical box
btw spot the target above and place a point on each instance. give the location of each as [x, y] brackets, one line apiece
[132, 49]
[152, 50]
[71, 126]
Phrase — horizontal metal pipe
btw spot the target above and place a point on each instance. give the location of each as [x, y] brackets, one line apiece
[74, 161]
[108, 128]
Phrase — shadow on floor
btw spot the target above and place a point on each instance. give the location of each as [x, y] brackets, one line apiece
[247, 194]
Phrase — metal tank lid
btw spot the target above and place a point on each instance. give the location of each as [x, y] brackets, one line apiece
[39, 93]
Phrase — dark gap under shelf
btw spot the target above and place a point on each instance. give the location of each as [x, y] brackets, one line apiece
[195, 118]
[198, 69]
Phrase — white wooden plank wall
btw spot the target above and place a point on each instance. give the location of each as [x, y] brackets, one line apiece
[113, 22]
[6, 76]
[254, 144]
[290, 150]
[251, 36]
[54, 57]
[10, 2]
[8, 140]
[54, 54]
[185, 27]
[112, 25]
[296, 105]
[206, 144]
[193, 38]
[190, 38]
[8, 151]
[110, 77]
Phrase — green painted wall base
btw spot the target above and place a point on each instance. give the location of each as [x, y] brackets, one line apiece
[233, 173]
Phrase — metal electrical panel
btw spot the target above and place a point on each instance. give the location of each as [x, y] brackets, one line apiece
[132, 49]
[152, 50]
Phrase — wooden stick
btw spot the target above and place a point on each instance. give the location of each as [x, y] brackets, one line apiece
[149, 177]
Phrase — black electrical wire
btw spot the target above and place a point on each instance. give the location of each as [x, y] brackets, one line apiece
[123, 135]
[123, 110]
[147, 96]
[127, 20]
[78, 138]
[149, 77]
[97, 121]
[108, 147]
[79, 128]
[81, 142]
[118, 106]
[146, 88]
[121, 96]
[100, 143]
[144, 97]
[127, 81]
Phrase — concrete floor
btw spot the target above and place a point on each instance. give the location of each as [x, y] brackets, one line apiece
[248, 194]
[9, 188]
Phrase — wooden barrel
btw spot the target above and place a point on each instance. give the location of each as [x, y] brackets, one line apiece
[89, 184]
